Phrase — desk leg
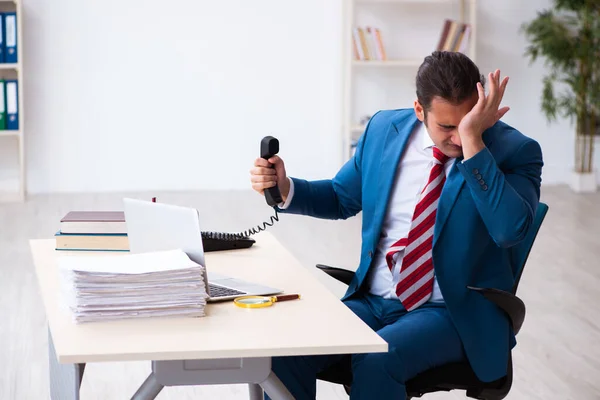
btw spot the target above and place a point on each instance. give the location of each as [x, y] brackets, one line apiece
[254, 371]
[275, 389]
[149, 389]
[65, 379]
[256, 392]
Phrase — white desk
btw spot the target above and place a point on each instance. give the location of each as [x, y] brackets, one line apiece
[228, 345]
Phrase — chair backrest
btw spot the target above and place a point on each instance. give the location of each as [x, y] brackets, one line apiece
[521, 251]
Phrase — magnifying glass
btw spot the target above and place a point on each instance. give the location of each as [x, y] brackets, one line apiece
[262, 301]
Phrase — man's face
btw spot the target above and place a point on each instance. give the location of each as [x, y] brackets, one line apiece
[442, 123]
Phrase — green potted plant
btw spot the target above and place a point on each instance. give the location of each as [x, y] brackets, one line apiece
[568, 38]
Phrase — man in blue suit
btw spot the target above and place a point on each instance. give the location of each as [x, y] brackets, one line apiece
[445, 189]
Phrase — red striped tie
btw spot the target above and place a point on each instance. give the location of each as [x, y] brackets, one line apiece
[416, 273]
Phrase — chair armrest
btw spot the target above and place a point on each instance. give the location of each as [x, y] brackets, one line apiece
[342, 275]
[511, 304]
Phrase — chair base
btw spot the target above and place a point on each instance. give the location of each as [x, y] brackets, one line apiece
[459, 376]
[454, 376]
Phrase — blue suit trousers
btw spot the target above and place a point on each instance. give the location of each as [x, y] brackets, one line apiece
[417, 340]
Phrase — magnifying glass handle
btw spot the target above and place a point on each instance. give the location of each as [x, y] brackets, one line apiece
[285, 297]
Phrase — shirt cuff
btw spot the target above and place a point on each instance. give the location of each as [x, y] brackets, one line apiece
[288, 200]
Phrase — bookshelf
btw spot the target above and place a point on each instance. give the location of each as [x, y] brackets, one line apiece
[387, 63]
[401, 33]
[12, 147]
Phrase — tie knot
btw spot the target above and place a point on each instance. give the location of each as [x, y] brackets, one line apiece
[441, 157]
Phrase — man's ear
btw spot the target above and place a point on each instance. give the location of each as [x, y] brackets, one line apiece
[419, 111]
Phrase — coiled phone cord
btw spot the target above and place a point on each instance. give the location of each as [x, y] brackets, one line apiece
[251, 231]
[258, 228]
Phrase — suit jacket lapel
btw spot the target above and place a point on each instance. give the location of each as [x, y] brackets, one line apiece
[450, 192]
[395, 143]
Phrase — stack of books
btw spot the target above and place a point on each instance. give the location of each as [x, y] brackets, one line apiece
[154, 284]
[367, 44]
[93, 231]
[454, 36]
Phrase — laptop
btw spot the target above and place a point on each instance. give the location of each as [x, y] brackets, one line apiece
[158, 226]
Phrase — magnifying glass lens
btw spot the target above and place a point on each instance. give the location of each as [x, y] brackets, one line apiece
[254, 300]
[262, 301]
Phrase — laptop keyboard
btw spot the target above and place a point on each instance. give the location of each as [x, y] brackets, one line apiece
[220, 291]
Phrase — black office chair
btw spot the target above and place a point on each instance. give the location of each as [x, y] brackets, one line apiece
[456, 375]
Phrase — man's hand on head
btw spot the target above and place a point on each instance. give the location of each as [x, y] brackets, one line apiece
[483, 115]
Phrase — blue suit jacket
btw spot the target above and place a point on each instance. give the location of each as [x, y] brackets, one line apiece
[487, 205]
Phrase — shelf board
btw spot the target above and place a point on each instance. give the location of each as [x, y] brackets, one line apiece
[9, 66]
[387, 63]
[409, 1]
[8, 133]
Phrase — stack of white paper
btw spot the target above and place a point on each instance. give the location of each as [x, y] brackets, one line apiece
[164, 283]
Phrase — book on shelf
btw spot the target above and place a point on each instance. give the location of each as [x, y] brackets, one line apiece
[454, 36]
[367, 44]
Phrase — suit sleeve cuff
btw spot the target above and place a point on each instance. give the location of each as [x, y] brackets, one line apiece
[288, 200]
[479, 171]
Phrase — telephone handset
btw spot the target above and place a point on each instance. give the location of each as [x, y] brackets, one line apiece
[269, 146]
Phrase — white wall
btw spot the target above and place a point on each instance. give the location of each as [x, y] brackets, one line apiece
[153, 95]
[150, 94]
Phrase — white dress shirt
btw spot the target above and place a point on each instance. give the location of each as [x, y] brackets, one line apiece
[412, 175]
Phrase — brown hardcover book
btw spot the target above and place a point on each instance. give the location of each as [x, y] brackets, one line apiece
[93, 222]
[451, 36]
[444, 35]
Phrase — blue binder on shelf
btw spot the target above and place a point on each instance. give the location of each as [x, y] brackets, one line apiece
[2, 44]
[2, 105]
[10, 37]
[12, 105]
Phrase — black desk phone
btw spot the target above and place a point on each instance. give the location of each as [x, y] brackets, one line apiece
[215, 241]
